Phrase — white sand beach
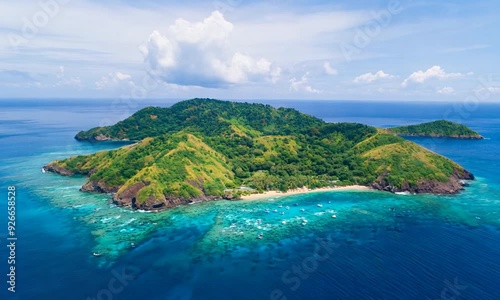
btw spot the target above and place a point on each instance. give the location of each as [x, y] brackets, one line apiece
[270, 194]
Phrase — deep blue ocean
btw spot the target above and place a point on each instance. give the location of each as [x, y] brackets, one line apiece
[380, 246]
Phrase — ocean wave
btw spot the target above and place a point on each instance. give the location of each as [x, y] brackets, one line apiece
[406, 193]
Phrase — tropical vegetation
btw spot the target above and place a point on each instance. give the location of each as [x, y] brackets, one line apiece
[204, 148]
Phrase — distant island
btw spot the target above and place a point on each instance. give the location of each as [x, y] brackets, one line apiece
[439, 128]
[205, 149]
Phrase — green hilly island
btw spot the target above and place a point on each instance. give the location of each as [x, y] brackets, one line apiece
[205, 149]
[439, 128]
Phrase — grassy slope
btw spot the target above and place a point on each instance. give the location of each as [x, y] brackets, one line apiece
[395, 164]
[181, 165]
[404, 161]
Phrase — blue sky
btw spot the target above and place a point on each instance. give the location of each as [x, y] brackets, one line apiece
[402, 50]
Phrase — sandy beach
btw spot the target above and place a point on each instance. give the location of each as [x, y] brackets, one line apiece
[270, 194]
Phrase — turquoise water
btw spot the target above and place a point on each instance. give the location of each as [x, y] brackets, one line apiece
[379, 246]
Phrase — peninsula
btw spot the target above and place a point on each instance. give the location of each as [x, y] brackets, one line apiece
[205, 149]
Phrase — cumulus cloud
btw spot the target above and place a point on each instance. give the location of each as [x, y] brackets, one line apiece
[200, 54]
[302, 84]
[329, 70]
[370, 77]
[113, 80]
[446, 91]
[435, 72]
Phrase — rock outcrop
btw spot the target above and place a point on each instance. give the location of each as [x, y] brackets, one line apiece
[98, 187]
[128, 198]
[454, 185]
[59, 170]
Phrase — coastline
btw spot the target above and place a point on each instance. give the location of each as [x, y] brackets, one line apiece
[304, 190]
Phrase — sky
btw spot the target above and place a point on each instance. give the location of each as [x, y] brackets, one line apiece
[394, 50]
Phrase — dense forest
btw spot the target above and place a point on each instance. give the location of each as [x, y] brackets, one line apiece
[204, 149]
[439, 128]
[206, 117]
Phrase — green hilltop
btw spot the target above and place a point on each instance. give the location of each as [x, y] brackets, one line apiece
[204, 149]
[439, 128]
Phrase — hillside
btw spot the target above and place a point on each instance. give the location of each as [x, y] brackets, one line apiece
[439, 128]
[204, 149]
[206, 117]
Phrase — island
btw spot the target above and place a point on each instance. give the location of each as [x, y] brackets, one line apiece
[206, 149]
[441, 128]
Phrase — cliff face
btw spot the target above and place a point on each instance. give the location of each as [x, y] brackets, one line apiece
[129, 199]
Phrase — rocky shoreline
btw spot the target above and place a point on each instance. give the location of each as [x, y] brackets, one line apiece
[128, 198]
[460, 137]
[58, 170]
[454, 185]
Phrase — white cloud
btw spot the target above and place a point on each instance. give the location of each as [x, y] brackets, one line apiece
[436, 72]
[113, 80]
[200, 54]
[446, 91]
[494, 89]
[122, 76]
[63, 80]
[302, 84]
[369, 77]
[329, 70]
[276, 74]
[286, 35]
[296, 35]
[489, 90]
